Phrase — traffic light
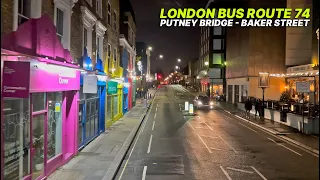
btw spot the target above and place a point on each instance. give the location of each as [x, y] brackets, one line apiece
[159, 77]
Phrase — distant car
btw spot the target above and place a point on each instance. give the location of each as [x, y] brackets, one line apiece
[203, 101]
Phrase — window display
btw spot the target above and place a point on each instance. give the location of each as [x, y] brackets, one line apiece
[16, 138]
[108, 113]
[38, 145]
[39, 101]
[54, 124]
[115, 105]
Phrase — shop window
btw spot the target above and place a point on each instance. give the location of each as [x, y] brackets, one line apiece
[115, 105]
[108, 113]
[38, 145]
[81, 126]
[217, 58]
[39, 101]
[24, 11]
[16, 138]
[59, 24]
[54, 124]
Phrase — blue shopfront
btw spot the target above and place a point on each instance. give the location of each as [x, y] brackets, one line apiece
[91, 105]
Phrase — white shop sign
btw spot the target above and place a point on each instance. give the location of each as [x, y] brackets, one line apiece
[90, 84]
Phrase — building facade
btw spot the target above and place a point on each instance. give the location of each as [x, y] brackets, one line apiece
[128, 52]
[257, 50]
[212, 58]
[39, 119]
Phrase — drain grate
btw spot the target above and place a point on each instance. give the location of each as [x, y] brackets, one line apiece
[165, 165]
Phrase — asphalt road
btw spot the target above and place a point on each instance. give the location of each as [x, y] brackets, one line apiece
[212, 145]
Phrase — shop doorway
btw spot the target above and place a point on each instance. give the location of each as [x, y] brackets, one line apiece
[230, 94]
[236, 94]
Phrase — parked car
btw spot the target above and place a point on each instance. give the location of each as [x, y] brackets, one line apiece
[203, 102]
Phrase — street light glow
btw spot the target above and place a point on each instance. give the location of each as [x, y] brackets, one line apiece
[150, 48]
[206, 63]
[177, 67]
[160, 56]
[179, 60]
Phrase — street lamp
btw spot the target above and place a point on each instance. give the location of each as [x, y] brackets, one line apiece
[160, 56]
[206, 63]
[150, 48]
[179, 60]
[177, 67]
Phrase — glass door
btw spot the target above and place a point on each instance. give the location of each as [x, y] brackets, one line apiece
[39, 116]
[38, 146]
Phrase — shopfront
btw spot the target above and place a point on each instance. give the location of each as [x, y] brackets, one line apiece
[91, 107]
[40, 124]
[113, 101]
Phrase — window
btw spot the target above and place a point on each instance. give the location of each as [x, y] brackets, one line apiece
[24, 10]
[85, 38]
[218, 44]
[39, 101]
[99, 7]
[54, 124]
[109, 13]
[214, 73]
[59, 24]
[217, 30]
[16, 134]
[217, 58]
[109, 55]
[115, 20]
[89, 2]
[115, 55]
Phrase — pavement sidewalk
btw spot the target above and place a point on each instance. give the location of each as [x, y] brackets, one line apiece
[308, 142]
[102, 157]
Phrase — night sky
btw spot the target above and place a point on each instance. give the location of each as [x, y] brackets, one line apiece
[171, 42]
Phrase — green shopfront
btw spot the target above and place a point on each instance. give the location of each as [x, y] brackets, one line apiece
[113, 102]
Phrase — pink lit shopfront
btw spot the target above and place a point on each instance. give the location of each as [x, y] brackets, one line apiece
[39, 109]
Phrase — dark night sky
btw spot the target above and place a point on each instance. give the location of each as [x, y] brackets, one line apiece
[171, 42]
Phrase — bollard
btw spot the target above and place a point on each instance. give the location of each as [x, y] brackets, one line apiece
[186, 106]
[150, 95]
[191, 109]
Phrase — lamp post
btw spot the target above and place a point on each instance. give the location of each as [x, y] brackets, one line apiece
[179, 60]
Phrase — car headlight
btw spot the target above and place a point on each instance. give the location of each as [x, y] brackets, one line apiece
[211, 103]
[199, 102]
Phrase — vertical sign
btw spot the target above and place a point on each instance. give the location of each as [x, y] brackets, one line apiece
[263, 80]
[90, 84]
[16, 79]
[186, 106]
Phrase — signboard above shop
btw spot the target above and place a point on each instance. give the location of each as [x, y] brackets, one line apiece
[303, 87]
[90, 84]
[112, 87]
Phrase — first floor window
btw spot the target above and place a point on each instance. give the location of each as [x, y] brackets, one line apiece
[59, 23]
[85, 38]
[218, 44]
[217, 58]
[24, 11]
